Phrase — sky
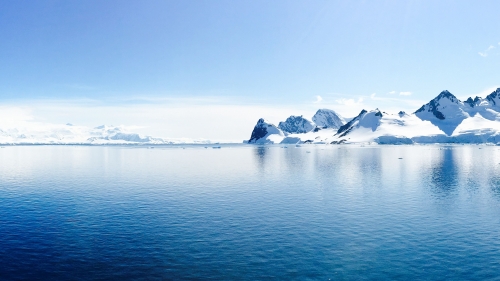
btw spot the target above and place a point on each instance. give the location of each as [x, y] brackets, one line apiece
[211, 69]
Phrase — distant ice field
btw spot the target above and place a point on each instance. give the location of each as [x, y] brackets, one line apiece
[247, 212]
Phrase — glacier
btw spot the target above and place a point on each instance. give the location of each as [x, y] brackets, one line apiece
[69, 134]
[444, 119]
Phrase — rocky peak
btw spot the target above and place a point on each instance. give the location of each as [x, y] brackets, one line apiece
[344, 129]
[494, 97]
[448, 95]
[327, 118]
[262, 129]
[445, 111]
[473, 102]
[435, 105]
[296, 125]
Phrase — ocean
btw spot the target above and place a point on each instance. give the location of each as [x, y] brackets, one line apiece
[243, 212]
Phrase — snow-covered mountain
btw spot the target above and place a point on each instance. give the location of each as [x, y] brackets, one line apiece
[444, 119]
[296, 125]
[494, 98]
[327, 118]
[364, 119]
[445, 111]
[265, 132]
[43, 133]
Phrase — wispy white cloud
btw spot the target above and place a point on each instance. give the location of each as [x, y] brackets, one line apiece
[392, 92]
[350, 102]
[318, 99]
[486, 52]
[393, 103]
[351, 105]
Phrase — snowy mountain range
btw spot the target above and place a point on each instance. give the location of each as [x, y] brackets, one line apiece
[444, 119]
[69, 134]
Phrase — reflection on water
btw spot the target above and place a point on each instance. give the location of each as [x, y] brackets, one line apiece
[445, 172]
[314, 212]
[495, 185]
[260, 152]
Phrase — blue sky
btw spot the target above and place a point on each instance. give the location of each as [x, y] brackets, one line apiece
[280, 56]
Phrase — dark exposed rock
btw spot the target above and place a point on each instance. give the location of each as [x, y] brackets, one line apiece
[433, 105]
[339, 142]
[296, 125]
[473, 102]
[343, 130]
[494, 96]
[259, 131]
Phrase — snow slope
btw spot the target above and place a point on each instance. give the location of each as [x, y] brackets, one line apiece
[444, 111]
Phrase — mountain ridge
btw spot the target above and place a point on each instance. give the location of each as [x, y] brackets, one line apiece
[444, 119]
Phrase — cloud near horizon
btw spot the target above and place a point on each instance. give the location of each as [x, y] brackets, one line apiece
[216, 120]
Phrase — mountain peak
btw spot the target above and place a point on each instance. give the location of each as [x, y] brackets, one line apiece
[494, 97]
[296, 125]
[435, 105]
[445, 111]
[448, 95]
[327, 118]
[262, 131]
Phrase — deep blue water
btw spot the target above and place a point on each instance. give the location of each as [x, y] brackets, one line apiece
[250, 213]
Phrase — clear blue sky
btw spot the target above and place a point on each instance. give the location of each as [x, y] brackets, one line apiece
[280, 52]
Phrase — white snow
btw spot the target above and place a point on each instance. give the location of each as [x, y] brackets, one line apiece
[444, 119]
[327, 118]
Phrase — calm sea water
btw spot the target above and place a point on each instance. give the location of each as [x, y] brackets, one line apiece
[250, 213]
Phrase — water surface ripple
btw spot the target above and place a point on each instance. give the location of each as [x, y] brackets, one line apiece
[250, 213]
